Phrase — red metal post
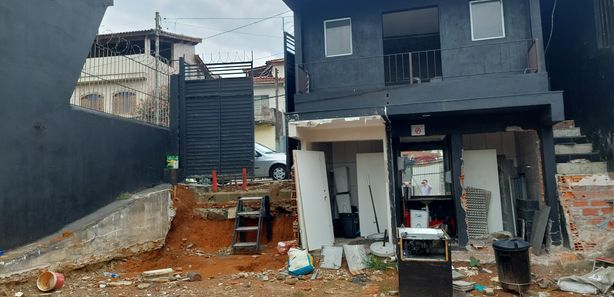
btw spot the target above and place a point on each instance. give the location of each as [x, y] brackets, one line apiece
[214, 180]
[244, 185]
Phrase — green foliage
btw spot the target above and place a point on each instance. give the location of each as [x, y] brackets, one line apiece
[474, 262]
[376, 263]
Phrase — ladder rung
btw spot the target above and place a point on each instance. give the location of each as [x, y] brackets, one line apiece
[247, 228]
[244, 244]
[248, 213]
[250, 198]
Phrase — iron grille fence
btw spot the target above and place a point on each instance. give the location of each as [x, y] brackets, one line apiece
[122, 79]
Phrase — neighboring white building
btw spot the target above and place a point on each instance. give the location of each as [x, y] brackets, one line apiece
[119, 75]
[270, 104]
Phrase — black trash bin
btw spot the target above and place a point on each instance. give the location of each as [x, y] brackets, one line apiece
[513, 264]
[349, 221]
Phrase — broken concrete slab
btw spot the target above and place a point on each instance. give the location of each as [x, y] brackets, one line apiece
[356, 256]
[331, 257]
[120, 229]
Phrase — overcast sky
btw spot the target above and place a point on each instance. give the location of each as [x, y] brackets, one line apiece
[264, 38]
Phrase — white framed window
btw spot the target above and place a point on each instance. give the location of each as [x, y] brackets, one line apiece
[487, 19]
[338, 37]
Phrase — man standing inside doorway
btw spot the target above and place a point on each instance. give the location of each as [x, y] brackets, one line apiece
[425, 188]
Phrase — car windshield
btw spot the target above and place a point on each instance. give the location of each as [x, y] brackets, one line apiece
[263, 149]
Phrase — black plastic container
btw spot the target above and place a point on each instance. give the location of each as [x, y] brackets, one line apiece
[349, 222]
[513, 264]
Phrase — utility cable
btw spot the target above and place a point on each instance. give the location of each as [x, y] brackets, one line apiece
[246, 25]
[551, 26]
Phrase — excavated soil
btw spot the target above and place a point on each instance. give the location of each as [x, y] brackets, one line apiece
[196, 244]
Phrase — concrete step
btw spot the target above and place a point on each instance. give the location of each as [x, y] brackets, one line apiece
[590, 157]
[570, 149]
[571, 132]
[582, 168]
[570, 140]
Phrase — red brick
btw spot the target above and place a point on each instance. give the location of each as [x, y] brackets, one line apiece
[611, 225]
[595, 221]
[607, 210]
[590, 211]
[580, 203]
[600, 203]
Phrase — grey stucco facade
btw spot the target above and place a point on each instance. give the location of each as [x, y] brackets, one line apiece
[60, 163]
[484, 86]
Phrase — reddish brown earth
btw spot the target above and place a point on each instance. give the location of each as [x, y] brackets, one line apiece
[209, 238]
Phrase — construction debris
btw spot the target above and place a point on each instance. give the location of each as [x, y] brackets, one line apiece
[331, 257]
[158, 273]
[463, 286]
[356, 256]
[594, 282]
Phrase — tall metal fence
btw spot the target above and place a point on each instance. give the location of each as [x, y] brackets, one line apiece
[122, 79]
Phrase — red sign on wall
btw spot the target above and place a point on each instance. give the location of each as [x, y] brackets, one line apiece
[417, 130]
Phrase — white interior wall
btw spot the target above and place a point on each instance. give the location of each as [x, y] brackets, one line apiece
[344, 155]
[481, 171]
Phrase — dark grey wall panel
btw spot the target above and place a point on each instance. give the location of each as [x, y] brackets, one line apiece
[60, 163]
[365, 67]
[219, 126]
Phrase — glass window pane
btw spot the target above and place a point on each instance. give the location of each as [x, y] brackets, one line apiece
[338, 37]
[487, 20]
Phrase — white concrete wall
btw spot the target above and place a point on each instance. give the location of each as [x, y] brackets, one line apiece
[265, 135]
[344, 155]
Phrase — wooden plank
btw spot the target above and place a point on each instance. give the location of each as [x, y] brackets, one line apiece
[332, 256]
[356, 256]
[538, 230]
[313, 200]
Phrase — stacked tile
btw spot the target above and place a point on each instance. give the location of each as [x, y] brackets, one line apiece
[476, 212]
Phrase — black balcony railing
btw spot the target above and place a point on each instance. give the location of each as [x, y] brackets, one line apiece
[413, 67]
[417, 67]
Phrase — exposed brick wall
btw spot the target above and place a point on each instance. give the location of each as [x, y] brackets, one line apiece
[588, 203]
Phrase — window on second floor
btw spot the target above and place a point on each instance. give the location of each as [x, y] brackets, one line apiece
[92, 101]
[338, 37]
[604, 19]
[124, 103]
[487, 21]
[261, 103]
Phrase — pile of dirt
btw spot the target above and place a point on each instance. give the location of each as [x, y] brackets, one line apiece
[196, 244]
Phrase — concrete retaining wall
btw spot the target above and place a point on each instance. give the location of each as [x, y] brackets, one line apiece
[121, 229]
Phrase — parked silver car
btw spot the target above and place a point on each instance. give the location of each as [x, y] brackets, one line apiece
[269, 163]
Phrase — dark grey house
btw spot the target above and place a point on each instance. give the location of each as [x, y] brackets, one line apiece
[453, 94]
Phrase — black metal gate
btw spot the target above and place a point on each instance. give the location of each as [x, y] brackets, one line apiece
[216, 127]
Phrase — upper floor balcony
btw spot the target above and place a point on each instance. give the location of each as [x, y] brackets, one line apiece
[475, 62]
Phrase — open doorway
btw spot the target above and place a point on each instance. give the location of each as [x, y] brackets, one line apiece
[426, 184]
[507, 167]
[355, 175]
[412, 49]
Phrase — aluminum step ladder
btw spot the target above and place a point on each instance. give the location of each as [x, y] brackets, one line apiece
[263, 214]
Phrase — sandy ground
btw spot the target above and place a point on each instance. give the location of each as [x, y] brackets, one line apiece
[198, 245]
